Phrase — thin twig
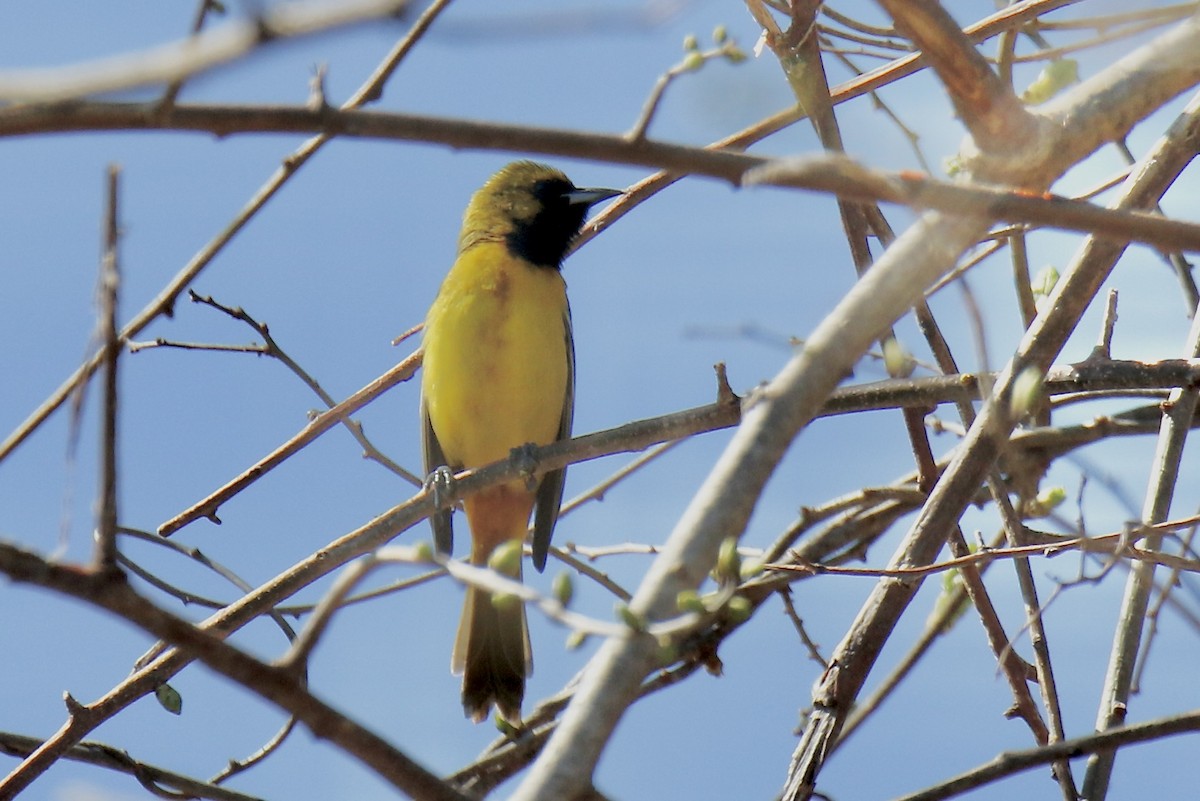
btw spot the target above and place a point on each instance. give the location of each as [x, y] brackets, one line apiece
[1016, 761]
[154, 779]
[109, 288]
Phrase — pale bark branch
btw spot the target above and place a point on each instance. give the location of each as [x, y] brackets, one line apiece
[175, 61]
[1178, 412]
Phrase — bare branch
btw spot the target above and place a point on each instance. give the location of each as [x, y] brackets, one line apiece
[987, 106]
[860, 647]
[109, 288]
[173, 62]
[154, 778]
[164, 302]
[1114, 701]
[109, 591]
[1017, 761]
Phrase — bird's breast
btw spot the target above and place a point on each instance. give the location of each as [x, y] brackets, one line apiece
[496, 356]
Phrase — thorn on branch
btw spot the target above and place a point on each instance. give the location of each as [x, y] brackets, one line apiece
[725, 393]
[1103, 349]
[317, 99]
[74, 708]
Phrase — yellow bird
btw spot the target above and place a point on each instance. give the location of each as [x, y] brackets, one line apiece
[499, 373]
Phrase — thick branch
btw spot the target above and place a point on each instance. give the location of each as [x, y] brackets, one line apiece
[282, 687]
[987, 106]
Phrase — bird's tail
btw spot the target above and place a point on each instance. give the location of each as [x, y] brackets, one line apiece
[493, 653]
[492, 649]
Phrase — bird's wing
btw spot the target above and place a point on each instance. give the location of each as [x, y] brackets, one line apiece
[550, 493]
[443, 529]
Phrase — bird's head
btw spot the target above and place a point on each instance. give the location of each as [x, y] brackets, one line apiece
[534, 209]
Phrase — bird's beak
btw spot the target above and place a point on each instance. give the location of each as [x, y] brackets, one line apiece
[590, 197]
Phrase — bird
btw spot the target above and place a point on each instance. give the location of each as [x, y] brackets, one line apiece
[498, 375]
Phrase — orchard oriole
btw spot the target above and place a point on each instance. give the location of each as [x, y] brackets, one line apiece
[499, 373]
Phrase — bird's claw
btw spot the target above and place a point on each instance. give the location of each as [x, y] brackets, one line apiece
[526, 461]
[440, 483]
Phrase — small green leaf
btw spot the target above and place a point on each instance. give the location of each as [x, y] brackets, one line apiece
[169, 698]
[739, 609]
[897, 359]
[1046, 502]
[1054, 77]
[506, 558]
[689, 601]
[1043, 284]
[423, 551]
[729, 561]
[751, 568]
[504, 601]
[668, 651]
[563, 588]
[1027, 391]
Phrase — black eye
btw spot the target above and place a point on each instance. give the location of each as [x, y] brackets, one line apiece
[551, 191]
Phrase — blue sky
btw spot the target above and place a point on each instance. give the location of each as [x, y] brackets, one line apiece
[350, 254]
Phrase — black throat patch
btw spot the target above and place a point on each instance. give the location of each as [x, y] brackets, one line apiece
[544, 238]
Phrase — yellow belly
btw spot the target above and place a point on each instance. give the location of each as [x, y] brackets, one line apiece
[496, 356]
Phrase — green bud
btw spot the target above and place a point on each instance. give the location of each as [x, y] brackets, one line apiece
[504, 601]
[897, 359]
[729, 561]
[576, 639]
[1043, 284]
[668, 651]
[506, 558]
[169, 698]
[630, 618]
[1027, 391]
[1052, 497]
[951, 584]
[739, 609]
[689, 601]
[563, 588]
[720, 34]
[1054, 77]
[692, 62]
[751, 568]
[504, 727]
[690, 43]
[423, 552]
[734, 54]
[1046, 502]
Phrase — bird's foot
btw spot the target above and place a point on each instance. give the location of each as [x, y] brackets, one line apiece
[526, 461]
[440, 483]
